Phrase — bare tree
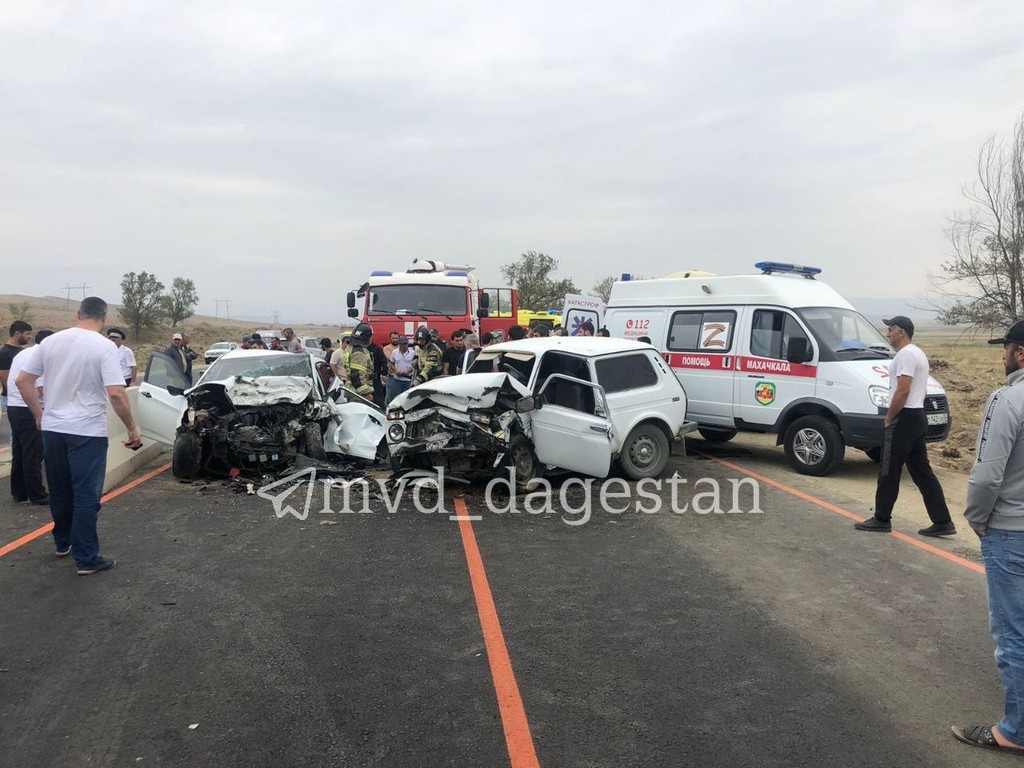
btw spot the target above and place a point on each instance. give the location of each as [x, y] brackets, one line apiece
[982, 284]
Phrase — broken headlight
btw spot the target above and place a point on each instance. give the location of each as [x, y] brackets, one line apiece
[396, 414]
[396, 432]
[483, 418]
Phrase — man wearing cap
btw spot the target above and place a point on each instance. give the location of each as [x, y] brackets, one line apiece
[995, 511]
[903, 440]
[129, 368]
[400, 369]
[176, 353]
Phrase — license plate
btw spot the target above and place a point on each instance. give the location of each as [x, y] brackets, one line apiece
[938, 418]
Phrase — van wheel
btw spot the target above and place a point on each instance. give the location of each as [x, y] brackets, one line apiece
[523, 461]
[717, 435]
[186, 456]
[645, 452]
[875, 454]
[313, 442]
[814, 445]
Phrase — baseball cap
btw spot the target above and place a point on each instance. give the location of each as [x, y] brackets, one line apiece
[176, 336]
[1013, 336]
[901, 321]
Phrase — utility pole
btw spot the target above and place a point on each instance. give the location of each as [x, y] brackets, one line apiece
[68, 288]
[227, 308]
[276, 318]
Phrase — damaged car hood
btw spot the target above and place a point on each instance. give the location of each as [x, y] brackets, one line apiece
[265, 390]
[471, 390]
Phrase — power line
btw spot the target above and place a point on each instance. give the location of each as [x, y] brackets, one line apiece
[68, 288]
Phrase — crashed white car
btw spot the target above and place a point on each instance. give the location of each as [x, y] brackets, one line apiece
[565, 403]
[255, 411]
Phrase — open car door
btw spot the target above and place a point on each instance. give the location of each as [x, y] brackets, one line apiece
[159, 412]
[567, 435]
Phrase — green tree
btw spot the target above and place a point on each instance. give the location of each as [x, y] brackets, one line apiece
[531, 276]
[982, 284]
[603, 287]
[20, 310]
[142, 301]
[180, 302]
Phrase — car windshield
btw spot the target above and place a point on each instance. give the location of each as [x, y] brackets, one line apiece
[518, 364]
[221, 345]
[254, 366]
[845, 332]
[423, 300]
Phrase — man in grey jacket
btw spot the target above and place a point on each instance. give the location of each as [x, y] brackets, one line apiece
[995, 510]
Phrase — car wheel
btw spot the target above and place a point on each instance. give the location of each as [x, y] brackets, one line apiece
[313, 442]
[645, 452]
[875, 454]
[186, 456]
[717, 435]
[523, 461]
[814, 445]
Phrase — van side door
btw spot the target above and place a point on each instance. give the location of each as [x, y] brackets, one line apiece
[766, 381]
[701, 349]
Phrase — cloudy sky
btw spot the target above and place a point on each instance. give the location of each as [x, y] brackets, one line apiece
[275, 152]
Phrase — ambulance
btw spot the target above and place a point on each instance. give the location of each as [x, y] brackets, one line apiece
[778, 352]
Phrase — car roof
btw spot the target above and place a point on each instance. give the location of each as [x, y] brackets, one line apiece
[588, 346]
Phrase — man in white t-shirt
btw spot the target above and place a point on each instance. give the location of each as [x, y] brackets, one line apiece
[129, 368]
[82, 371]
[903, 442]
[26, 441]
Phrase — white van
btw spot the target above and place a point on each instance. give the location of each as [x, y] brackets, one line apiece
[777, 352]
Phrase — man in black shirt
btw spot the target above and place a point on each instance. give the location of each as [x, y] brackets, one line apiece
[20, 334]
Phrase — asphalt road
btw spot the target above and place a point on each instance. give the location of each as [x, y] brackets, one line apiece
[781, 638]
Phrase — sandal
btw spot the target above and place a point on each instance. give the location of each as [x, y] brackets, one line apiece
[981, 736]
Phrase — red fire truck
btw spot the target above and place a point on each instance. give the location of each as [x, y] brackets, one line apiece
[434, 294]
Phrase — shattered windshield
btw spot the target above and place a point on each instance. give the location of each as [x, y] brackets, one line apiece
[255, 366]
[418, 299]
[845, 332]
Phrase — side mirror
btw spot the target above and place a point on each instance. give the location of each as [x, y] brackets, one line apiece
[353, 312]
[350, 299]
[176, 391]
[485, 301]
[526, 404]
[482, 313]
[796, 350]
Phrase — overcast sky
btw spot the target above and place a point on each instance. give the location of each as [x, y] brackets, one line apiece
[276, 152]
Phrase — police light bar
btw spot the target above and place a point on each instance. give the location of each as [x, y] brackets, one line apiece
[768, 267]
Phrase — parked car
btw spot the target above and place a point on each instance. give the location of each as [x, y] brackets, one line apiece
[218, 349]
[311, 344]
[537, 405]
[254, 410]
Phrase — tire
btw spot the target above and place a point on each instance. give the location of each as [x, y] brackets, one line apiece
[875, 454]
[313, 442]
[186, 456]
[814, 445]
[523, 461]
[717, 435]
[645, 452]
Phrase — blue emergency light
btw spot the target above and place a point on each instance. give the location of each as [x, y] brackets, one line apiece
[381, 273]
[456, 273]
[768, 267]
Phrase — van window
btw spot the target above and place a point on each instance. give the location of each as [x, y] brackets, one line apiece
[701, 331]
[616, 374]
[771, 331]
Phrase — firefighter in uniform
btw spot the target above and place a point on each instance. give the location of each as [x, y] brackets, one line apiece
[359, 365]
[428, 357]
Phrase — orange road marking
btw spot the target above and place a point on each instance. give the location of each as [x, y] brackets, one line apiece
[845, 513]
[513, 715]
[103, 499]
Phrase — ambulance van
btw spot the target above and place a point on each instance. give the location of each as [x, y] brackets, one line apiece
[778, 352]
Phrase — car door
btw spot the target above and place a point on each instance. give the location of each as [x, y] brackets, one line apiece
[158, 412]
[567, 437]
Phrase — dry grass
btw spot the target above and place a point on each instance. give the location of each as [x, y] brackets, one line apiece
[970, 370]
[56, 314]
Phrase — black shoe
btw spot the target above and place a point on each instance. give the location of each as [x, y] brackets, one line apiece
[939, 529]
[103, 564]
[873, 524]
[63, 552]
[20, 499]
[41, 502]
